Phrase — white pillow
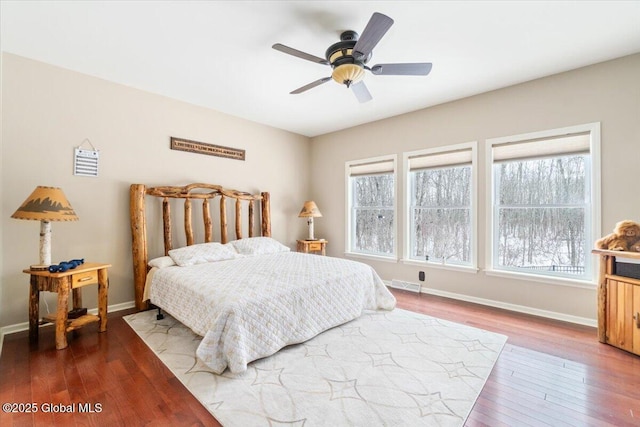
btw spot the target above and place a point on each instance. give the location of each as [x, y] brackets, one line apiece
[201, 253]
[258, 246]
[162, 262]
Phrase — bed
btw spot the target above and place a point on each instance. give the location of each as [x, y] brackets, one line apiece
[247, 297]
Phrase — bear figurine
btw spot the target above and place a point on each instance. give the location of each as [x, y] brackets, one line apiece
[625, 235]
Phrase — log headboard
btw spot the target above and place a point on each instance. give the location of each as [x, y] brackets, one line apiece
[203, 192]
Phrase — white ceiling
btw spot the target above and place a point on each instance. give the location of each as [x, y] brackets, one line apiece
[218, 54]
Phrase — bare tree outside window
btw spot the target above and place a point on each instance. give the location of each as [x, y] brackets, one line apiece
[441, 215]
[541, 213]
[373, 214]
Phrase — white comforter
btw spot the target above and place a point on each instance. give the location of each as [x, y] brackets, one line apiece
[249, 308]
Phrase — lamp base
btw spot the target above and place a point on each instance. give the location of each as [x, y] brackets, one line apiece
[310, 224]
[39, 267]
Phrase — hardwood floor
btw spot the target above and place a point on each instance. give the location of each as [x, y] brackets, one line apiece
[549, 373]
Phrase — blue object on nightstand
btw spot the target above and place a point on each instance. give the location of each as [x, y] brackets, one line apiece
[65, 265]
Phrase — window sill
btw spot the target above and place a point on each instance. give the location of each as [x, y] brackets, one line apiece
[371, 257]
[452, 267]
[548, 280]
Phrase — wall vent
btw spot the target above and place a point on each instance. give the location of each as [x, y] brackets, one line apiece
[407, 286]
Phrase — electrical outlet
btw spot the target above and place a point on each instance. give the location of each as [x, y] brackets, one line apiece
[421, 276]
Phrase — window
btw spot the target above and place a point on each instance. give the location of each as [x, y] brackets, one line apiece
[545, 199]
[371, 206]
[441, 205]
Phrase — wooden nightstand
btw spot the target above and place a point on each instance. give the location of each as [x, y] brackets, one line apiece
[309, 246]
[89, 273]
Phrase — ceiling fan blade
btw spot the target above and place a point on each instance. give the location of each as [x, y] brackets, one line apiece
[361, 92]
[409, 69]
[376, 28]
[310, 85]
[299, 54]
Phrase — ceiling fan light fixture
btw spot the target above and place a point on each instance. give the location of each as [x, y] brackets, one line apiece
[347, 74]
[349, 56]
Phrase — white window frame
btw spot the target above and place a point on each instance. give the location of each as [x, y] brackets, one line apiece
[348, 198]
[593, 216]
[406, 253]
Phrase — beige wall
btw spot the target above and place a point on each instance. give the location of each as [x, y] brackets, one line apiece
[608, 93]
[47, 111]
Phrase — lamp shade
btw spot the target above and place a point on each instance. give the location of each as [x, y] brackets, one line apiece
[347, 74]
[310, 210]
[46, 204]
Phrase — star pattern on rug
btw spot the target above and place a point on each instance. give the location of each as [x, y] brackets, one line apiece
[431, 404]
[457, 369]
[344, 390]
[431, 321]
[382, 359]
[212, 406]
[348, 369]
[352, 331]
[268, 376]
[374, 317]
[199, 367]
[409, 338]
[294, 423]
[475, 345]
[316, 351]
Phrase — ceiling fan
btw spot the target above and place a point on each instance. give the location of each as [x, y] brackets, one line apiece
[349, 57]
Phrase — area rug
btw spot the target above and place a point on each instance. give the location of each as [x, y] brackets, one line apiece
[395, 368]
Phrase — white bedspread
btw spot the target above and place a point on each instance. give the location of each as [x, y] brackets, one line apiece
[251, 307]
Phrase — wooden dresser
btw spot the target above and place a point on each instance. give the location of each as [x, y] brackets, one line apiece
[618, 301]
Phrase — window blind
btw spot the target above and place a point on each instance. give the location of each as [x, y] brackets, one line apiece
[371, 168]
[440, 159]
[547, 147]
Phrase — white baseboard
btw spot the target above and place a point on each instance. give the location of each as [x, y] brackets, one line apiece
[405, 285]
[512, 307]
[18, 327]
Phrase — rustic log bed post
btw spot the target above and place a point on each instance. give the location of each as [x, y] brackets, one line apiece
[188, 229]
[139, 241]
[266, 214]
[238, 219]
[223, 219]
[252, 217]
[204, 192]
[166, 220]
[208, 225]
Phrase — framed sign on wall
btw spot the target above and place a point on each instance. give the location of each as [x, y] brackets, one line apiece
[204, 148]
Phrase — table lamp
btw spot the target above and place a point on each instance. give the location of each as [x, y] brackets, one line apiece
[310, 211]
[45, 204]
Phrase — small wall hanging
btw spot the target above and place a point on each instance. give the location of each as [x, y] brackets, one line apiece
[204, 148]
[85, 162]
